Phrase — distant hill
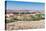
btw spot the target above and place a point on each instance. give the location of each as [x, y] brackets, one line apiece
[13, 11]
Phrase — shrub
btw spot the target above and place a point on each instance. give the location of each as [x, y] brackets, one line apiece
[24, 18]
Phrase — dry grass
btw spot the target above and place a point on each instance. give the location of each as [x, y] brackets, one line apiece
[25, 25]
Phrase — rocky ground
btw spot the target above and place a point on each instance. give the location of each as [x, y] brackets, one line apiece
[25, 25]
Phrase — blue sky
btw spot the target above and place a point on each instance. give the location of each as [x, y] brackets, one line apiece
[13, 5]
